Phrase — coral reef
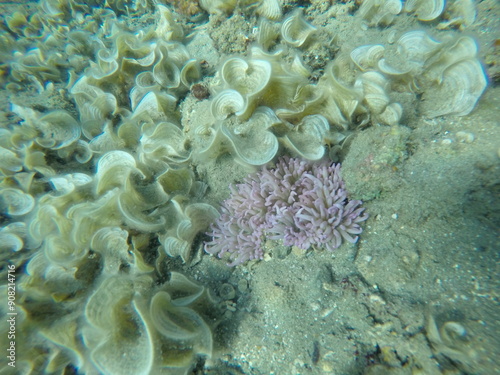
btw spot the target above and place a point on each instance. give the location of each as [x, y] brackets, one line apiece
[267, 98]
[302, 203]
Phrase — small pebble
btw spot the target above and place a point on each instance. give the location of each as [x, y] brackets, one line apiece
[242, 285]
[227, 291]
[200, 91]
[446, 141]
[465, 137]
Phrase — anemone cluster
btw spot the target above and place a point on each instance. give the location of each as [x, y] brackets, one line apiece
[304, 204]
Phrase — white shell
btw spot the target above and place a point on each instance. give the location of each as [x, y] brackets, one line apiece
[195, 218]
[61, 251]
[161, 144]
[247, 77]
[154, 106]
[457, 94]
[68, 183]
[145, 81]
[134, 206]
[113, 169]
[379, 12]
[391, 115]
[339, 101]
[105, 315]
[270, 9]
[167, 27]
[107, 66]
[462, 49]
[366, 57]
[377, 103]
[307, 139]
[9, 160]
[165, 71]
[176, 322]
[82, 152]
[227, 102]
[373, 85]
[190, 72]
[16, 203]
[389, 70]
[426, 10]
[460, 13]
[251, 141]
[111, 243]
[295, 29]
[297, 67]
[417, 46]
[11, 237]
[218, 6]
[131, 63]
[10, 242]
[59, 130]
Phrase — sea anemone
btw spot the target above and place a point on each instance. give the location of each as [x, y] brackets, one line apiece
[302, 203]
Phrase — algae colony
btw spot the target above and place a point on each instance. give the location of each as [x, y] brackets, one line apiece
[123, 124]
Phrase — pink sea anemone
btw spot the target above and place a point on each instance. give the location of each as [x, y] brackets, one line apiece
[302, 203]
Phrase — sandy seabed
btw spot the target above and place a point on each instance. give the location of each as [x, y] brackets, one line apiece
[426, 265]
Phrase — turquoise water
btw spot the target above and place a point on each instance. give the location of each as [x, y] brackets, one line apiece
[123, 125]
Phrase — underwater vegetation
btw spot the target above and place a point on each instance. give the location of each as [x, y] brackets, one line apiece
[452, 342]
[113, 108]
[302, 203]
